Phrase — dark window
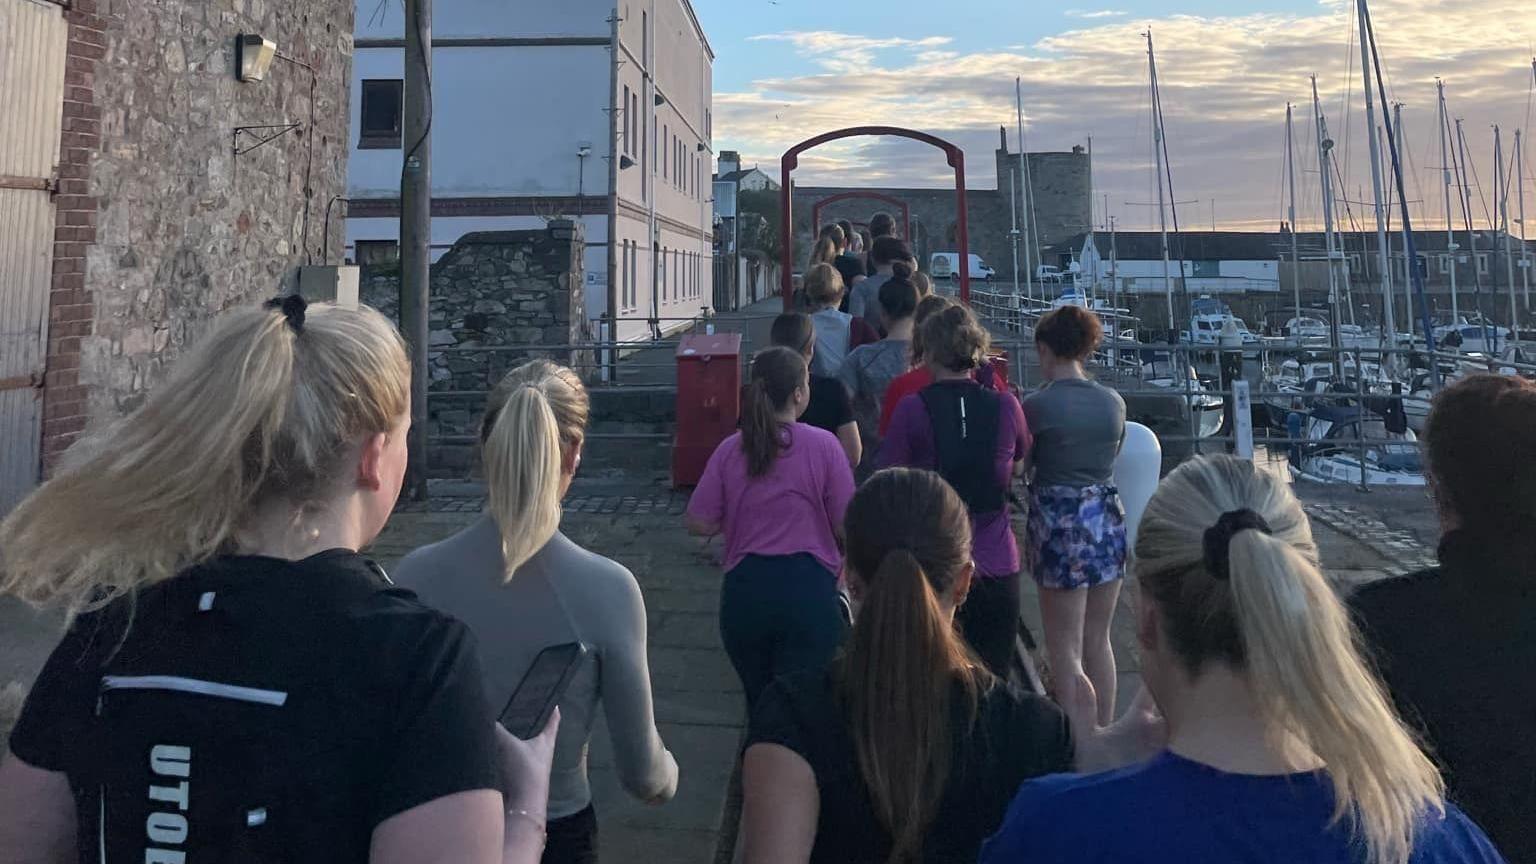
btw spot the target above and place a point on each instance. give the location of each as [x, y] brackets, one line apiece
[381, 115]
[376, 253]
[624, 106]
[1207, 269]
[666, 135]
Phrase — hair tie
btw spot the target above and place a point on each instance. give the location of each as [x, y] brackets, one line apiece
[1218, 540]
[292, 306]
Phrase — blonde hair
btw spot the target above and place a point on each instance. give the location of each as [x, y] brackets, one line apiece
[1277, 620]
[823, 286]
[259, 410]
[825, 251]
[536, 411]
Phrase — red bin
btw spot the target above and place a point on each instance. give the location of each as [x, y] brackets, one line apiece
[708, 401]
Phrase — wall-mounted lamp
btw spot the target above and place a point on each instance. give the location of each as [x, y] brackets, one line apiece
[253, 56]
[660, 99]
[626, 162]
[699, 147]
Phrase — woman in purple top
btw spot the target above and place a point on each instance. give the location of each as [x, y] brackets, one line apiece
[777, 491]
[976, 439]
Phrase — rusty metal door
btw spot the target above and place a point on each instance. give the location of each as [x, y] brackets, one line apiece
[33, 36]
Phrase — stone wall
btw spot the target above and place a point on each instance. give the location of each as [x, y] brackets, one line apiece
[161, 225]
[514, 296]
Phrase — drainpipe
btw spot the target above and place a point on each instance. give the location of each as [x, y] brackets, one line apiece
[613, 179]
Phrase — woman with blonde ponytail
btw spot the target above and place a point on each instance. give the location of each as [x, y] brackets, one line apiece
[1282, 745]
[777, 491]
[522, 586]
[238, 683]
[904, 749]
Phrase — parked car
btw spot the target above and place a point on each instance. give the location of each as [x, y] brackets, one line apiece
[1048, 273]
[946, 265]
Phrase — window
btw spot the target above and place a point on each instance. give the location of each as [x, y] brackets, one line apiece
[645, 38]
[666, 135]
[634, 115]
[381, 115]
[624, 106]
[662, 269]
[1445, 263]
[634, 285]
[624, 272]
[1482, 263]
[376, 253]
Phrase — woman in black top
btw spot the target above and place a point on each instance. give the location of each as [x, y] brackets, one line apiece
[906, 748]
[238, 684]
[831, 407]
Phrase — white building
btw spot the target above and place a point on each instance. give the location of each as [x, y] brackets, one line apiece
[1213, 262]
[593, 109]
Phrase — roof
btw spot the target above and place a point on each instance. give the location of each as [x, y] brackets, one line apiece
[744, 173]
[1259, 245]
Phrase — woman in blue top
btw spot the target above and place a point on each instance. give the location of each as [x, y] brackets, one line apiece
[1282, 746]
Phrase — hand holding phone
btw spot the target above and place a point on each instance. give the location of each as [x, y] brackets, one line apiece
[536, 696]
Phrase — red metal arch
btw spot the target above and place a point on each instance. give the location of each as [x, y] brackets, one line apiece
[906, 209]
[791, 160]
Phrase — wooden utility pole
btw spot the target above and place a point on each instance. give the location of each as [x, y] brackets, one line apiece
[416, 228]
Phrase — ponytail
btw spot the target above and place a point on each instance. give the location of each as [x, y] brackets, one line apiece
[534, 415]
[262, 408]
[908, 539]
[1305, 667]
[1256, 601]
[825, 251]
[775, 375]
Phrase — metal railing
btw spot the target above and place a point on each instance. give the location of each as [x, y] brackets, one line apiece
[1202, 376]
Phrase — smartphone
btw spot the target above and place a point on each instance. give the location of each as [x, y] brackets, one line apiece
[539, 692]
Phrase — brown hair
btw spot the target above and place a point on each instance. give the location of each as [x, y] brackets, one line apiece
[898, 296]
[909, 539]
[1480, 439]
[925, 310]
[793, 330]
[889, 249]
[922, 283]
[1268, 613]
[823, 285]
[776, 373]
[825, 251]
[882, 225]
[1071, 332]
[847, 227]
[954, 339]
[834, 232]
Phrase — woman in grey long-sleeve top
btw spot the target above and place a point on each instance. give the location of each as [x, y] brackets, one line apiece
[522, 586]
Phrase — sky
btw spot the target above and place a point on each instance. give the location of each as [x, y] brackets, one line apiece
[788, 69]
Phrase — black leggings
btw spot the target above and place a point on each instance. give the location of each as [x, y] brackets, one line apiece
[990, 620]
[572, 839]
[779, 614]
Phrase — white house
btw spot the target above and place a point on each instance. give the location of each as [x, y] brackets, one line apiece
[592, 109]
[752, 179]
[1213, 261]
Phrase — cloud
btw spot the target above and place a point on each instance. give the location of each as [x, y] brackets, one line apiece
[1097, 13]
[1225, 81]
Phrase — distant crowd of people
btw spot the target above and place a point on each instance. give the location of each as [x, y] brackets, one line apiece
[239, 683]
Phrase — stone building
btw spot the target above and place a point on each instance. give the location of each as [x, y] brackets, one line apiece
[136, 201]
[595, 110]
[1062, 208]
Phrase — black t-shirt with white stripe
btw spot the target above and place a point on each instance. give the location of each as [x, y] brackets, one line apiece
[258, 710]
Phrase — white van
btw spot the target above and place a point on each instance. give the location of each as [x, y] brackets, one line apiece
[946, 265]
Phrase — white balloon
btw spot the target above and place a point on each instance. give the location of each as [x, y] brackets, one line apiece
[1137, 470]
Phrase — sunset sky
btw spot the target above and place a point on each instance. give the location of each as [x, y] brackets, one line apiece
[788, 69]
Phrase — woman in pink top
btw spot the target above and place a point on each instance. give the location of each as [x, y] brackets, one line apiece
[777, 491]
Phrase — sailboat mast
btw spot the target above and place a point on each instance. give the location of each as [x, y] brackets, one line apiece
[1290, 173]
[1445, 167]
[1466, 212]
[1501, 206]
[1525, 261]
[1397, 132]
[1093, 279]
[1157, 161]
[1388, 318]
[1324, 145]
[1023, 175]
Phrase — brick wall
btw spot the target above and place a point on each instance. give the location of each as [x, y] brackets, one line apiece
[160, 225]
[71, 303]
